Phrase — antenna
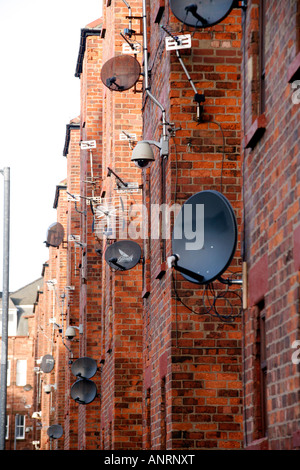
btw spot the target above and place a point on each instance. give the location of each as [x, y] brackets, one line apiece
[183, 44]
[201, 13]
[90, 145]
[204, 238]
[123, 255]
[55, 431]
[55, 235]
[84, 367]
[120, 73]
[47, 363]
[83, 391]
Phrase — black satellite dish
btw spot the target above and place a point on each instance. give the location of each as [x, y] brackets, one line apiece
[120, 73]
[201, 13]
[83, 391]
[123, 255]
[84, 367]
[55, 431]
[204, 237]
[47, 363]
[55, 235]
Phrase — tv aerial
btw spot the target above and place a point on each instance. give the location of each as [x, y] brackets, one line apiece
[204, 238]
[55, 431]
[184, 42]
[201, 13]
[55, 235]
[123, 255]
[120, 73]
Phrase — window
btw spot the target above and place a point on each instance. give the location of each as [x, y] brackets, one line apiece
[21, 372]
[20, 426]
[7, 427]
[12, 322]
[261, 373]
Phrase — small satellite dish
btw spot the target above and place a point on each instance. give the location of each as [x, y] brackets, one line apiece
[27, 387]
[55, 431]
[47, 363]
[201, 13]
[123, 255]
[83, 391]
[55, 235]
[204, 237]
[84, 367]
[120, 73]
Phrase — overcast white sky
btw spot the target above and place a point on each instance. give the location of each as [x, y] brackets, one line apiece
[39, 95]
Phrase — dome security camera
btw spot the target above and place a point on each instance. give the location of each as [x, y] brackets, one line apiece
[47, 389]
[70, 333]
[142, 155]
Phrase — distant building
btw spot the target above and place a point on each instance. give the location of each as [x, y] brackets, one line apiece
[19, 429]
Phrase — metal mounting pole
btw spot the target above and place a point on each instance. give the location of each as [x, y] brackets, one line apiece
[5, 300]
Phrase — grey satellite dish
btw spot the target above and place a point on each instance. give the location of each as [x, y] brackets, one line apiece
[84, 367]
[47, 363]
[204, 237]
[120, 73]
[55, 235]
[123, 255]
[201, 13]
[55, 431]
[27, 387]
[83, 391]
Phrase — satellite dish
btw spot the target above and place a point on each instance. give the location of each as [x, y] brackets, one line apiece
[204, 237]
[83, 391]
[55, 431]
[47, 363]
[55, 235]
[201, 13]
[120, 73]
[123, 255]
[84, 367]
[27, 387]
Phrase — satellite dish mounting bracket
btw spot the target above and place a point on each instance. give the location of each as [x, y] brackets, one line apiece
[198, 98]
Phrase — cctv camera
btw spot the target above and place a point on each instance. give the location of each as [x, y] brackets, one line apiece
[70, 332]
[47, 389]
[142, 155]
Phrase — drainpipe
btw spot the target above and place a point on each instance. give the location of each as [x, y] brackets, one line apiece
[5, 303]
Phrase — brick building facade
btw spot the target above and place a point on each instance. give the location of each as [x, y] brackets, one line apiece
[20, 367]
[179, 365]
[271, 208]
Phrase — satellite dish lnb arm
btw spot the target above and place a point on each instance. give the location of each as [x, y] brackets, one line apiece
[189, 273]
[172, 261]
[114, 261]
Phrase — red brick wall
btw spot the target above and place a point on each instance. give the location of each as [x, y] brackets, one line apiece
[121, 338]
[193, 359]
[73, 278]
[271, 196]
[90, 262]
